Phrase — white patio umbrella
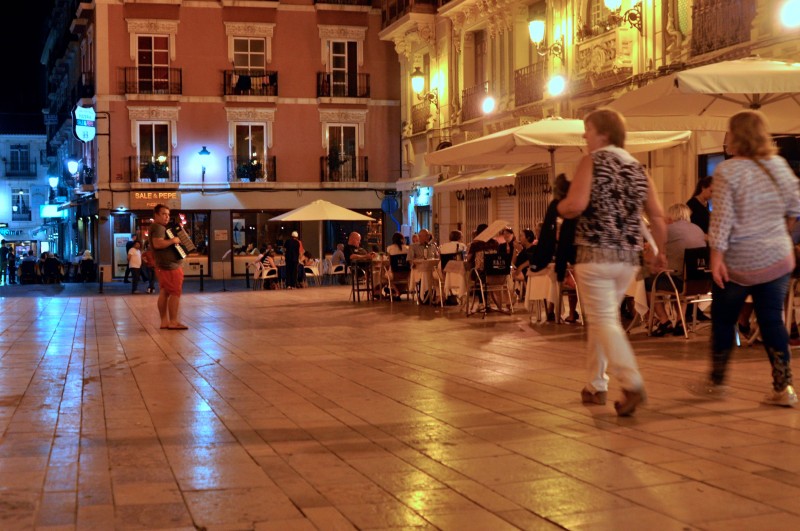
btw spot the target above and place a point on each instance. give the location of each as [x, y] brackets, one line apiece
[703, 98]
[321, 210]
[539, 142]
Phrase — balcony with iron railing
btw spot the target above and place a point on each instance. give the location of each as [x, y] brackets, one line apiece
[420, 114]
[152, 80]
[341, 85]
[85, 87]
[393, 10]
[718, 24]
[343, 168]
[471, 101]
[366, 3]
[20, 169]
[529, 84]
[252, 82]
[252, 169]
[21, 214]
[150, 170]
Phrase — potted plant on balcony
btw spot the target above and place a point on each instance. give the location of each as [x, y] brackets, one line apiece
[249, 171]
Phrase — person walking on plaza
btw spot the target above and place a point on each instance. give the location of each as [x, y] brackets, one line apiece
[608, 193]
[169, 270]
[128, 247]
[135, 264]
[12, 265]
[3, 263]
[755, 200]
[149, 267]
[292, 253]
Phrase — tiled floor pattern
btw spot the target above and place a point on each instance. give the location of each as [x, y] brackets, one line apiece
[298, 410]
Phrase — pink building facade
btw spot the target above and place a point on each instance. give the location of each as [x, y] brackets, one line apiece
[231, 112]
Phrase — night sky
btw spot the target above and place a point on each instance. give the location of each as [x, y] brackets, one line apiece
[23, 86]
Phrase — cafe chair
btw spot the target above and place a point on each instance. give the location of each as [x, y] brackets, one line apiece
[312, 273]
[696, 287]
[336, 271]
[361, 280]
[399, 279]
[566, 290]
[258, 268]
[490, 276]
[270, 275]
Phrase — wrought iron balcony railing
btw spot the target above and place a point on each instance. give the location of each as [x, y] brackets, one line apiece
[419, 116]
[344, 168]
[717, 24]
[342, 85]
[22, 214]
[529, 84]
[367, 3]
[152, 80]
[250, 82]
[392, 10]
[251, 170]
[20, 169]
[472, 99]
[147, 169]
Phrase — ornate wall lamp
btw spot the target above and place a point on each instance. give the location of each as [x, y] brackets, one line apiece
[511, 190]
[487, 193]
[632, 16]
[418, 85]
[536, 29]
[460, 195]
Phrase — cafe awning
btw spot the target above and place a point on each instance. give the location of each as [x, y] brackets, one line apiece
[408, 183]
[482, 179]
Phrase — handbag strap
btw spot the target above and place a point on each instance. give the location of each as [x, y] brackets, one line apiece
[769, 173]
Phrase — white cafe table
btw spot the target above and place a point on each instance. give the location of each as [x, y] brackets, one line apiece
[542, 284]
[455, 278]
[422, 271]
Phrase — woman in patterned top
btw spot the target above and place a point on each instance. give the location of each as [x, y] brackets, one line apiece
[608, 194]
[755, 198]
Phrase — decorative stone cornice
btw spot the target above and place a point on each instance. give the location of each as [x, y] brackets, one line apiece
[153, 114]
[342, 33]
[498, 15]
[250, 29]
[250, 114]
[156, 26]
[343, 116]
[346, 33]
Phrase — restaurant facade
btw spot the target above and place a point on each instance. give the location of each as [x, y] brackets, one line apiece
[229, 112]
[484, 66]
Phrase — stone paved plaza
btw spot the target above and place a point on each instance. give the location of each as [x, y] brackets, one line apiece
[298, 410]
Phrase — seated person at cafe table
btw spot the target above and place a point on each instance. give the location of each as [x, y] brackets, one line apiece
[354, 251]
[426, 249]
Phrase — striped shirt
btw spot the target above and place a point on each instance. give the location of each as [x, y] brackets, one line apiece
[609, 230]
[748, 220]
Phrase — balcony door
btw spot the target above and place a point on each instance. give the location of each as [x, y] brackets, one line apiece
[344, 68]
[154, 154]
[342, 152]
[152, 64]
[251, 149]
[20, 159]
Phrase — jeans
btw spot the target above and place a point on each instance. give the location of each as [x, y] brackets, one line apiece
[136, 274]
[768, 300]
[601, 288]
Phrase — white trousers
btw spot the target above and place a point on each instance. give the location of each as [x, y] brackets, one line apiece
[602, 288]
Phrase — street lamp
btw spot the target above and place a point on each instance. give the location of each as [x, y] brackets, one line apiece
[204, 153]
[53, 182]
[790, 14]
[632, 16]
[536, 30]
[418, 85]
[72, 167]
[488, 105]
[556, 85]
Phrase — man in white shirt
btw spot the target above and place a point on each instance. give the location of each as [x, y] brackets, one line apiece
[135, 263]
